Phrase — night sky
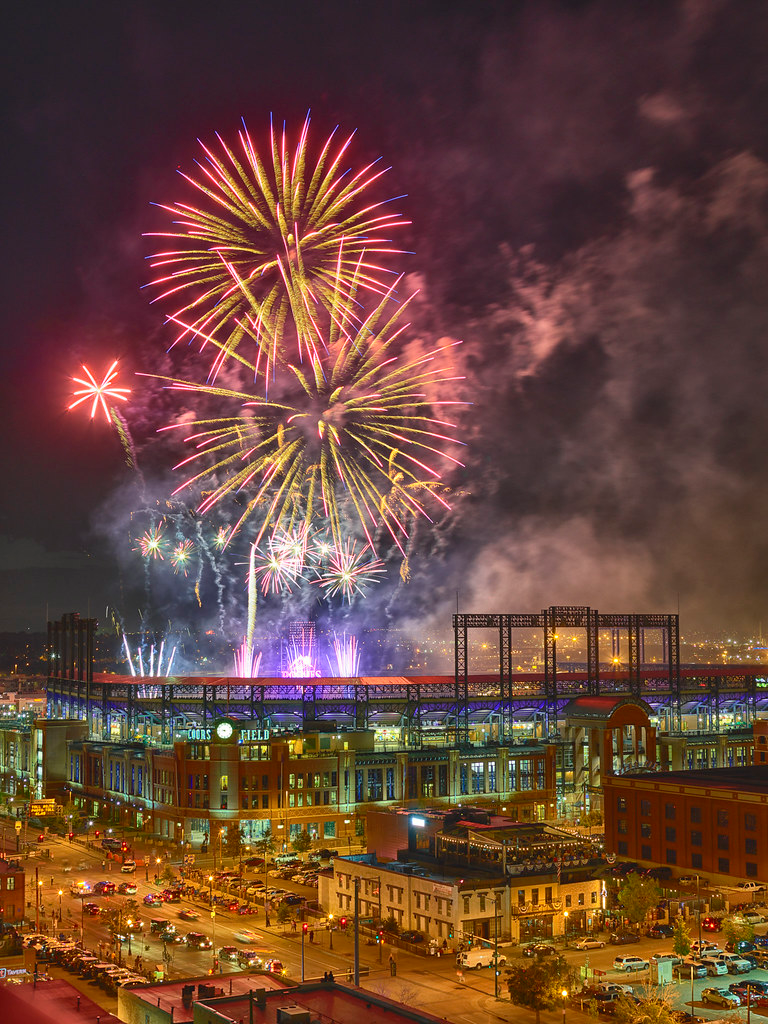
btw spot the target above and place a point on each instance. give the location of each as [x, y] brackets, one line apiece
[588, 190]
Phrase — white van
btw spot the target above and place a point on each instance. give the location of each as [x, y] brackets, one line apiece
[479, 958]
[128, 867]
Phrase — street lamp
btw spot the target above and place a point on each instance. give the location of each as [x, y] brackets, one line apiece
[128, 926]
[564, 994]
[330, 931]
[565, 927]
[61, 893]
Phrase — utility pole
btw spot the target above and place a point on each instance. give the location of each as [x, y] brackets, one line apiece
[496, 946]
[357, 931]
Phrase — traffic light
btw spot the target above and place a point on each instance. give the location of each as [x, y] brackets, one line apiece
[97, 833]
[71, 836]
[343, 922]
[305, 927]
[379, 936]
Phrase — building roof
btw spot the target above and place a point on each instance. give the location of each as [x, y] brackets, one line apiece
[749, 778]
[168, 995]
[335, 1002]
[51, 1002]
[600, 707]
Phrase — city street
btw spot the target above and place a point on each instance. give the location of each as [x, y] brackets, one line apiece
[430, 982]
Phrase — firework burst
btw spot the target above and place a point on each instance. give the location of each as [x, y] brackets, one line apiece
[354, 419]
[151, 543]
[181, 555]
[270, 241]
[98, 393]
[350, 571]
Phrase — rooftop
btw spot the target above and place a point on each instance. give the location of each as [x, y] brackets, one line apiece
[168, 995]
[325, 1002]
[749, 778]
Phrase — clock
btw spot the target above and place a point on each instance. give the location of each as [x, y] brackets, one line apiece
[224, 730]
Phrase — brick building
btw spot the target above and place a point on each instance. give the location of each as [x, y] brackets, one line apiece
[713, 821]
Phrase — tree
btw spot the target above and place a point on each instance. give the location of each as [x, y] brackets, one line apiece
[681, 939]
[540, 986]
[233, 841]
[168, 875]
[390, 924]
[301, 842]
[638, 896]
[736, 929]
[656, 1009]
[283, 913]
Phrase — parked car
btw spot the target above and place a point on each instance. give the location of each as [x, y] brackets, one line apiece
[538, 949]
[589, 943]
[665, 958]
[684, 970]
[704, 947]
[412, 936]
[720, 997]
[623, 938]
[750, 886]
[711, 924]
[715, 967]
[736, 964]
[693, 880]
[128, 867]
[750, 916]
[91, 908]
[660, 931]
[630, 963]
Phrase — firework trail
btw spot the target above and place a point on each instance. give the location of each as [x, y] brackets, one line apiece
[136, 662]
[345, 663]
[270, 242]
[247, 661]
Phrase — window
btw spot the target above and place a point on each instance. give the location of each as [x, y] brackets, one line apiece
[11, 882]
[645, 808]
[581, 899]
[520, 897]
[750, 846]
[722, 819]
[478, 776]
[645, 831]
[534, 896]
[482, 903]
[696, 837]
[669, 812]
[568, 899]
[697, 861]
[623, 826]
[750, 823]
[622, 848]
[621, 803]
[722, 842]
[645, 852]
[695, 815]
[671, 856]
[724, 865]
[670, 833]
[750, 869]
[466, 904]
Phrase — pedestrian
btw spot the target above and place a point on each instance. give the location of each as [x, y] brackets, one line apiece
[293, 924]
[266, 923]
[311, 935]
[103, 865]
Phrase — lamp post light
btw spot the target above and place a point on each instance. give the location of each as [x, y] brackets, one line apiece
[61, 893]
[330, 931]
[564, 994]
[565, 927]
[128, 926]
[158, 862]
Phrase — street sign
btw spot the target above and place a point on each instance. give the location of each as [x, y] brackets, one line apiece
[17, 826]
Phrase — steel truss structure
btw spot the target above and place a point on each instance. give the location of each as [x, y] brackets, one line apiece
[450, 706]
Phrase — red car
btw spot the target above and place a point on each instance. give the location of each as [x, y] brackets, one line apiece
[91, 908]
[711, 924]
[246, 909]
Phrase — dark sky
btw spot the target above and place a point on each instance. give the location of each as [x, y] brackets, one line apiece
[587, 185]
